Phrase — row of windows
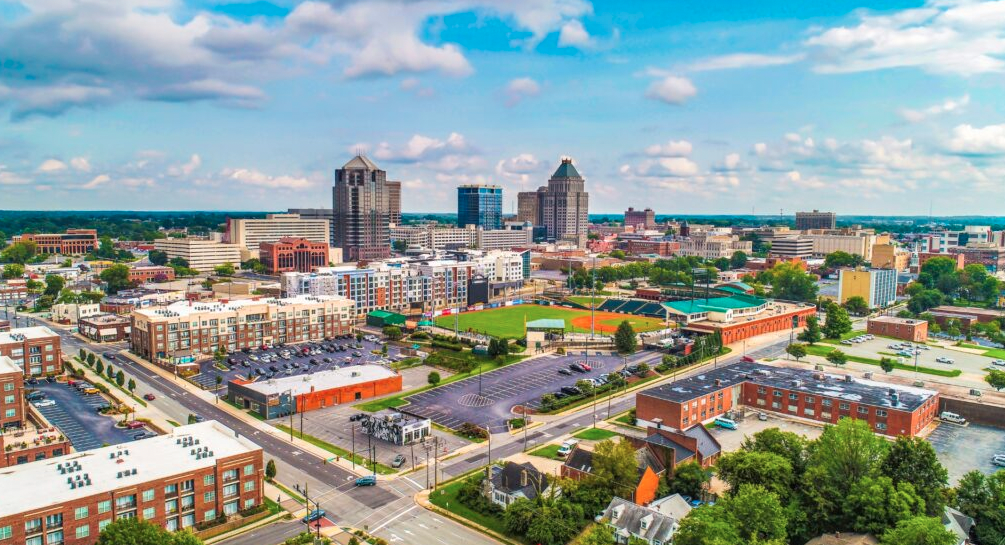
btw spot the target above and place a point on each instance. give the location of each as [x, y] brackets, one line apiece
[824, 402]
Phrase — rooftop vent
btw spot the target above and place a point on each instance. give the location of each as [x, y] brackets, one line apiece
[847, 378]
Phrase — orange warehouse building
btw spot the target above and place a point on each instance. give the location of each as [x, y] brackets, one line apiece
[272, 398]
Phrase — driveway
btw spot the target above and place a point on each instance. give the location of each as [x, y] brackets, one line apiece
[76, 415]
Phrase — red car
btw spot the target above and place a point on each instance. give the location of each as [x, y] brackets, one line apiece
[586, 366]
[149, 397]
[748, 359]
[134, 424]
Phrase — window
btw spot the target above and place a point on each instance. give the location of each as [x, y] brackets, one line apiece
[793, 396]
[209, 497]
[80, 513]
[209, 515]
[32, 526]
[880, 412]
[187, 486]
[762, 390]
[825, 402]
[249, 469]
[104, 506]
[6, 532]
[809, 399]
[230, 490]
[37, 540]
[863, 410]
[171, 490]
[208, 480]
[777, 393]
[249, 486]
[8, 387]
[844, 406]
[10, 413]
[880, 426]
[171, 507]
[172, 524]
[149, 513]
[148, 495]
[54, 538]
[8, 400]
[83, 531]
[187, 502]
[125, 502]
[103, 523]
[229, 475]
[230, 508]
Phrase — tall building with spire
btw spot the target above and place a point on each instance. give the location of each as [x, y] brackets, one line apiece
[564, 208]
[361, 204]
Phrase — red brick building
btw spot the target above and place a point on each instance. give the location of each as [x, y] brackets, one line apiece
[11, 395]
[34, 349]
[960, 258]
[140, 275]
[801, 393]
[905, 329]
[316, 391]
[13, 292]
[290, 254]
[197, 473]
[73, 242]
[659, 247]
[105, 328]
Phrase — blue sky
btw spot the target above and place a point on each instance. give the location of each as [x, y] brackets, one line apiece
[686, 107]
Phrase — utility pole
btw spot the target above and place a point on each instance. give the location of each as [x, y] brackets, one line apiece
[290, 405]
[353, 457]
[436, 461]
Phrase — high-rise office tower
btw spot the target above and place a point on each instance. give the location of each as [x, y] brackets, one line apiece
[565, 205]
[815, 220]
[360, 201]
[528, 205]
[479, 205]
[394, 202]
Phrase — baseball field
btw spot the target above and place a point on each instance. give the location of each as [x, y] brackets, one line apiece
[508, 322]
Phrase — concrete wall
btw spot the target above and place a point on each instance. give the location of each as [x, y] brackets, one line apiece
[974, 411]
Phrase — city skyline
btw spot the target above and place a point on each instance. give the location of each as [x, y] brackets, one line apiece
[680, 107]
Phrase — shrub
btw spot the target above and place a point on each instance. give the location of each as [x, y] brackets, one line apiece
[456, 347]
[472, 431]
[470, 495]
[419, 335]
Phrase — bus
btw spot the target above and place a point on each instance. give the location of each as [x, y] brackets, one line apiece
[724, 422]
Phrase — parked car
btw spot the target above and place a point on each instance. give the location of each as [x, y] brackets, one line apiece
[399, 461]
[35, 396]
[1000, 462]
[355, 417]
[134, 425]
[368, 480]
[149, 397]
[564, 371]
[952, 417]
[571, 390]
[44, 403]
[567, 447]
[943, 359]
[577, 368]
[999, 363]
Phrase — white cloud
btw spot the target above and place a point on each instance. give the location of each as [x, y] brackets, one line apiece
[187, 168]
[573, 34]
[52, 165]
[12, 178]
[950, 105]
[521, 88]
[943, 37]
[519, 168]
[742, 60]
[81, 164]
[257, 178]
[671, 90]
[423, 148]
[970, 140]
[673, 148]
[96, 181]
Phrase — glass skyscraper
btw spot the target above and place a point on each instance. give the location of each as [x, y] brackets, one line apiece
[479, 205]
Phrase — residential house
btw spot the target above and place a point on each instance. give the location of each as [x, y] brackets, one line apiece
[504, 485]
[631, 521]
[959, 524]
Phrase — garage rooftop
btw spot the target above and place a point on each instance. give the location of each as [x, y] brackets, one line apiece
[322, 380]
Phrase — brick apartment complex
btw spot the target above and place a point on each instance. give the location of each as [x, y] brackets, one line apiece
[186, 329]
[140, 275]
[34, 349]
[196, 473]
[272, 398]
[290, 254]
[889, 409]
[72, 242]
[20, 441]
[899, 328]
[992, 257]
[126, 300]
[11, 394]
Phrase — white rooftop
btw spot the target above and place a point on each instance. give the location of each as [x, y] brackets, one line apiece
[185, 308]
[37, 485]
[7, 365]
[35, 332]
[322, 380]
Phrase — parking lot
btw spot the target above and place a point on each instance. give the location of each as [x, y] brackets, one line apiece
[731, 440]
[76, 415]
[966, 448]
[339, 352]
[974, 364]
[489, 400]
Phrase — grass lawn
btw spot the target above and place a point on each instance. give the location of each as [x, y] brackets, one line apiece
[173, 423]
[595, 434]
[398, 400]
[626, 419]
[296, 496]
[445, 497]
[508, 322]
[272, 506]
[996, 353]
[818, 350]
[381, 468]
[548, 451]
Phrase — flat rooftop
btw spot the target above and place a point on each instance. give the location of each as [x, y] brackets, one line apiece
[895, 320]
[7, 365]
[42, 484]
[322, 380]
[29, 333]
[856, 390]
[106, 319]
[185, 308]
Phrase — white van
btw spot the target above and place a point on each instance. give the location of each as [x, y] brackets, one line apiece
[952, 417]
[567, 447]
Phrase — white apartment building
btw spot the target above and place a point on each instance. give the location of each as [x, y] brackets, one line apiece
[971, 235]
[439, 238]
[251, 233]
[70, 313]
[202, 255]
[714, 246]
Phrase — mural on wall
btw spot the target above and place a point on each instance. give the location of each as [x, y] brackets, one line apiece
[394, 428]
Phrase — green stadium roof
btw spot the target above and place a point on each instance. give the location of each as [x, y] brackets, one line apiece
[546, 323]
[735, 287]
[715, 304]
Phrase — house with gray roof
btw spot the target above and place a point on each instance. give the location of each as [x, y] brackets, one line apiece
[635, 521]
[504, 485]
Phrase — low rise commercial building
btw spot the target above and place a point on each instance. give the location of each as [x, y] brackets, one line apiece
[965, 315]
[659, 247]
[197, 473]
[878, 287]
[290, 254]
[125, 301]
[12, 293]
[31, 444]
[71, 313]
[277, 397]
[151, 273]
[36, 350]
[72, 242]
[105, 328]
[906, 329]
[889, 409]
[395, 427]
[795, 247]
[201, 255]
[186, 330]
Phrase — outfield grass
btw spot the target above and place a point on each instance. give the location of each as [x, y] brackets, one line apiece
[595, 434]
[380, 468]
[508, 322]
[818, 350]
[548, 451]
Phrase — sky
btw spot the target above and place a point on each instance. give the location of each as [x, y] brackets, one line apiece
[687, 107]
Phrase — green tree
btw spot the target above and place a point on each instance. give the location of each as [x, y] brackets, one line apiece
[99, 366]
[996, 379]
[551, 527]
[789, 282]
[875, 504]
[614, 463]
[600, 534]
[270, 470]
[837, 357]
[919, 531]
[53, 285]
[226, 269]
[518, 516]
[838, 323]
[400, 245]
[981, 497]
[711, 525]
[766, 469]
[811, 335]
[132, 385]
[82, 355]
[688, 479]
[433, 378]
[585, 386]
[13, 270]
[110, 372]
[392, 332]
[624, 338]
[120, 378]
[842, 259]
[133, 531]
[786, 444]
[796, 350]
[19, 252]
[117, 278]
[738, 260]
[91, 358]
[253, 264]
[913, 460]
[760, 514]
[886, 364]
[157, 257]
[856, 305]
